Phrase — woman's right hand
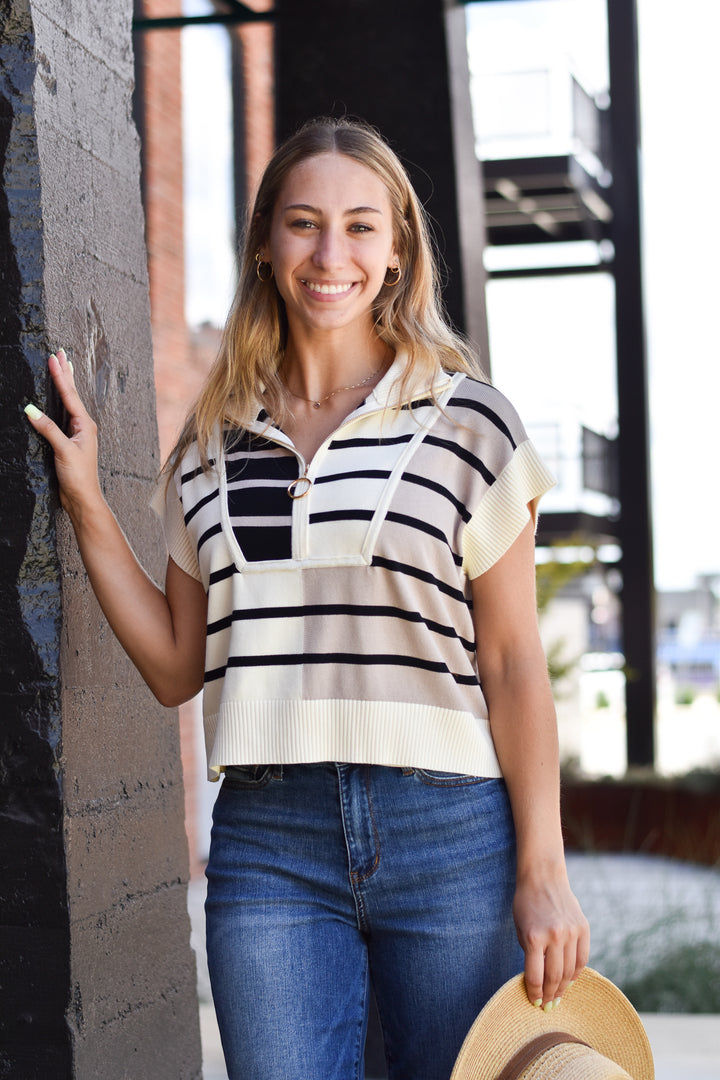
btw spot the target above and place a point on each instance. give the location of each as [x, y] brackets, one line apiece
[76, 453]
[163, 633]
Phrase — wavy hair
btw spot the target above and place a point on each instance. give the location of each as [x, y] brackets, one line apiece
[408, 315]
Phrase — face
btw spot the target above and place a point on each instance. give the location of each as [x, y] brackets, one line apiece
[330, 243]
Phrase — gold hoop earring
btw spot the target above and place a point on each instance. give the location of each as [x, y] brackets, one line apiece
[392, 270]
[261, 273]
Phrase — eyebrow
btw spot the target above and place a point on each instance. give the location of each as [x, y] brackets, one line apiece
[348, 213]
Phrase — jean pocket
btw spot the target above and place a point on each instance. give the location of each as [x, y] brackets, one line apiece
[437, 778]
[248, 776]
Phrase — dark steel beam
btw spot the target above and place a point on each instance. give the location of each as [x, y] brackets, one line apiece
[551, 271]
[638, 593]
[240, 14]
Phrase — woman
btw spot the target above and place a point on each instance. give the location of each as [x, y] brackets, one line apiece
[349, 515]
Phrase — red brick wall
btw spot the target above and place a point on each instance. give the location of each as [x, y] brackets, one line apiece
[259, 78]
[163, 171]
[182, 357]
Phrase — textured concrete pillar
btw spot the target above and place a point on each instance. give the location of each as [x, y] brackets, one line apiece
[97, 978]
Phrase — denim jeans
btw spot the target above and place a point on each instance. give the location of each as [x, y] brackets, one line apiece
[325, 878]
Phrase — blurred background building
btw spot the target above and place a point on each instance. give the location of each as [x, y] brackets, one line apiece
[557, 304]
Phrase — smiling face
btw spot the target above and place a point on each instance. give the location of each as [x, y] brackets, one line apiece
[330, 243]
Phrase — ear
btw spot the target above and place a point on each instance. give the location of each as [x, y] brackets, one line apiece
[261, 232]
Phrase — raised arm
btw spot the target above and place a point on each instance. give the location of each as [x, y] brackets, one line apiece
[551, 927]
[162, 633]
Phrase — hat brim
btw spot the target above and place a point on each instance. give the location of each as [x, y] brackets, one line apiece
[592, 1010]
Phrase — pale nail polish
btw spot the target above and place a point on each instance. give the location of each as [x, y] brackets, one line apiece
[537, 1003]
[548, 1006]
[32, 412]
[556, 1002]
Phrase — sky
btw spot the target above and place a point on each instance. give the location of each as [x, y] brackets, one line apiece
[557, 358]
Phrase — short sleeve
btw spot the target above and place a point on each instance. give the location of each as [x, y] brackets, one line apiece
[505, 509]
[167, 504]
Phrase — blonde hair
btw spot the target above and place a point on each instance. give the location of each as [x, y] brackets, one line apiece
[408, 315]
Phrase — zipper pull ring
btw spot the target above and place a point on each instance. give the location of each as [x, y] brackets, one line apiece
[299, 488]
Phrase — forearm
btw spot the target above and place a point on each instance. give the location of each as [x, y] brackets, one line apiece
[524, 730]
[136, 609]
[550, 925]
[162, 633]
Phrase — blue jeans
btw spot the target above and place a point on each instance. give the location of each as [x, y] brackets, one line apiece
[324, 879]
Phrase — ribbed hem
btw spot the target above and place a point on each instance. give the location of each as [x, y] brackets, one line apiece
[503, 512]
[372, 732]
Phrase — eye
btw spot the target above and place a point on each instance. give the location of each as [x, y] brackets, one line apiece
[302, 223]
[361, 227]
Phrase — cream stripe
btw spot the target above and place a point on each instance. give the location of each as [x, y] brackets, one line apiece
[503, 511]
[383, 733]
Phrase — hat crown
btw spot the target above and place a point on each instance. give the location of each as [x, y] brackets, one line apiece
[566, 1061]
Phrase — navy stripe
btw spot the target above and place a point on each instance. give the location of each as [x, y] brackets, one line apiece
[423, 403]
[421, 575]
[283, 467]
[322, 610]
[265, 543]
[221, 575]
[341, 515]
[417, 523]
[208, 534]
[199, 505]
[188, 476]
[343, 444]
[486, 411]
[413, 478]
[248, 503]
[240, 440]
[290, 659]
[465, 455]
[356, 474]
[367, 515]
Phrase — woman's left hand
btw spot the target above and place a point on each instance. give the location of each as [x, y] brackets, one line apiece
[554, 935]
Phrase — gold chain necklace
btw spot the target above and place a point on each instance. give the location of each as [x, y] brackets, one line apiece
[317, 402]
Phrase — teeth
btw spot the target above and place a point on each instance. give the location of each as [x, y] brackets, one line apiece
[327, 290]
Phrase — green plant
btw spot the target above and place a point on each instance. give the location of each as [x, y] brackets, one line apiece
[685, 980]
[551, 577]
[684, 695]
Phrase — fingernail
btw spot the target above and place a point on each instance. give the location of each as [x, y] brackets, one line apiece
[32, 412]
[72, 369]
[556, 1002]
[548, 1006]
[537, 1003]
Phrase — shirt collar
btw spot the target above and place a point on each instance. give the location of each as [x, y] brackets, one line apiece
[389, 392]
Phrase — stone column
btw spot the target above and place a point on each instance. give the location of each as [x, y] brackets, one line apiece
[97, 978]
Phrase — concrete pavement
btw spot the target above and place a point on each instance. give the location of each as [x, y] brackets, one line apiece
[684, 1047]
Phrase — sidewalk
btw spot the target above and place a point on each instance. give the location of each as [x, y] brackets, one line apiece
[685, 1046]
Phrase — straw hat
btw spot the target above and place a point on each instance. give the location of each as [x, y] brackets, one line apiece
[595, 1034]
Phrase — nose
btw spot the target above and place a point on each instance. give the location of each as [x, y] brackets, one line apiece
[330, 251]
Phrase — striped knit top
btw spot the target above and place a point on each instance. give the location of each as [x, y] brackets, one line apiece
[340, 623]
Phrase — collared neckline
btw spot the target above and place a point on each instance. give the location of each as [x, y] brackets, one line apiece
[386, 394]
